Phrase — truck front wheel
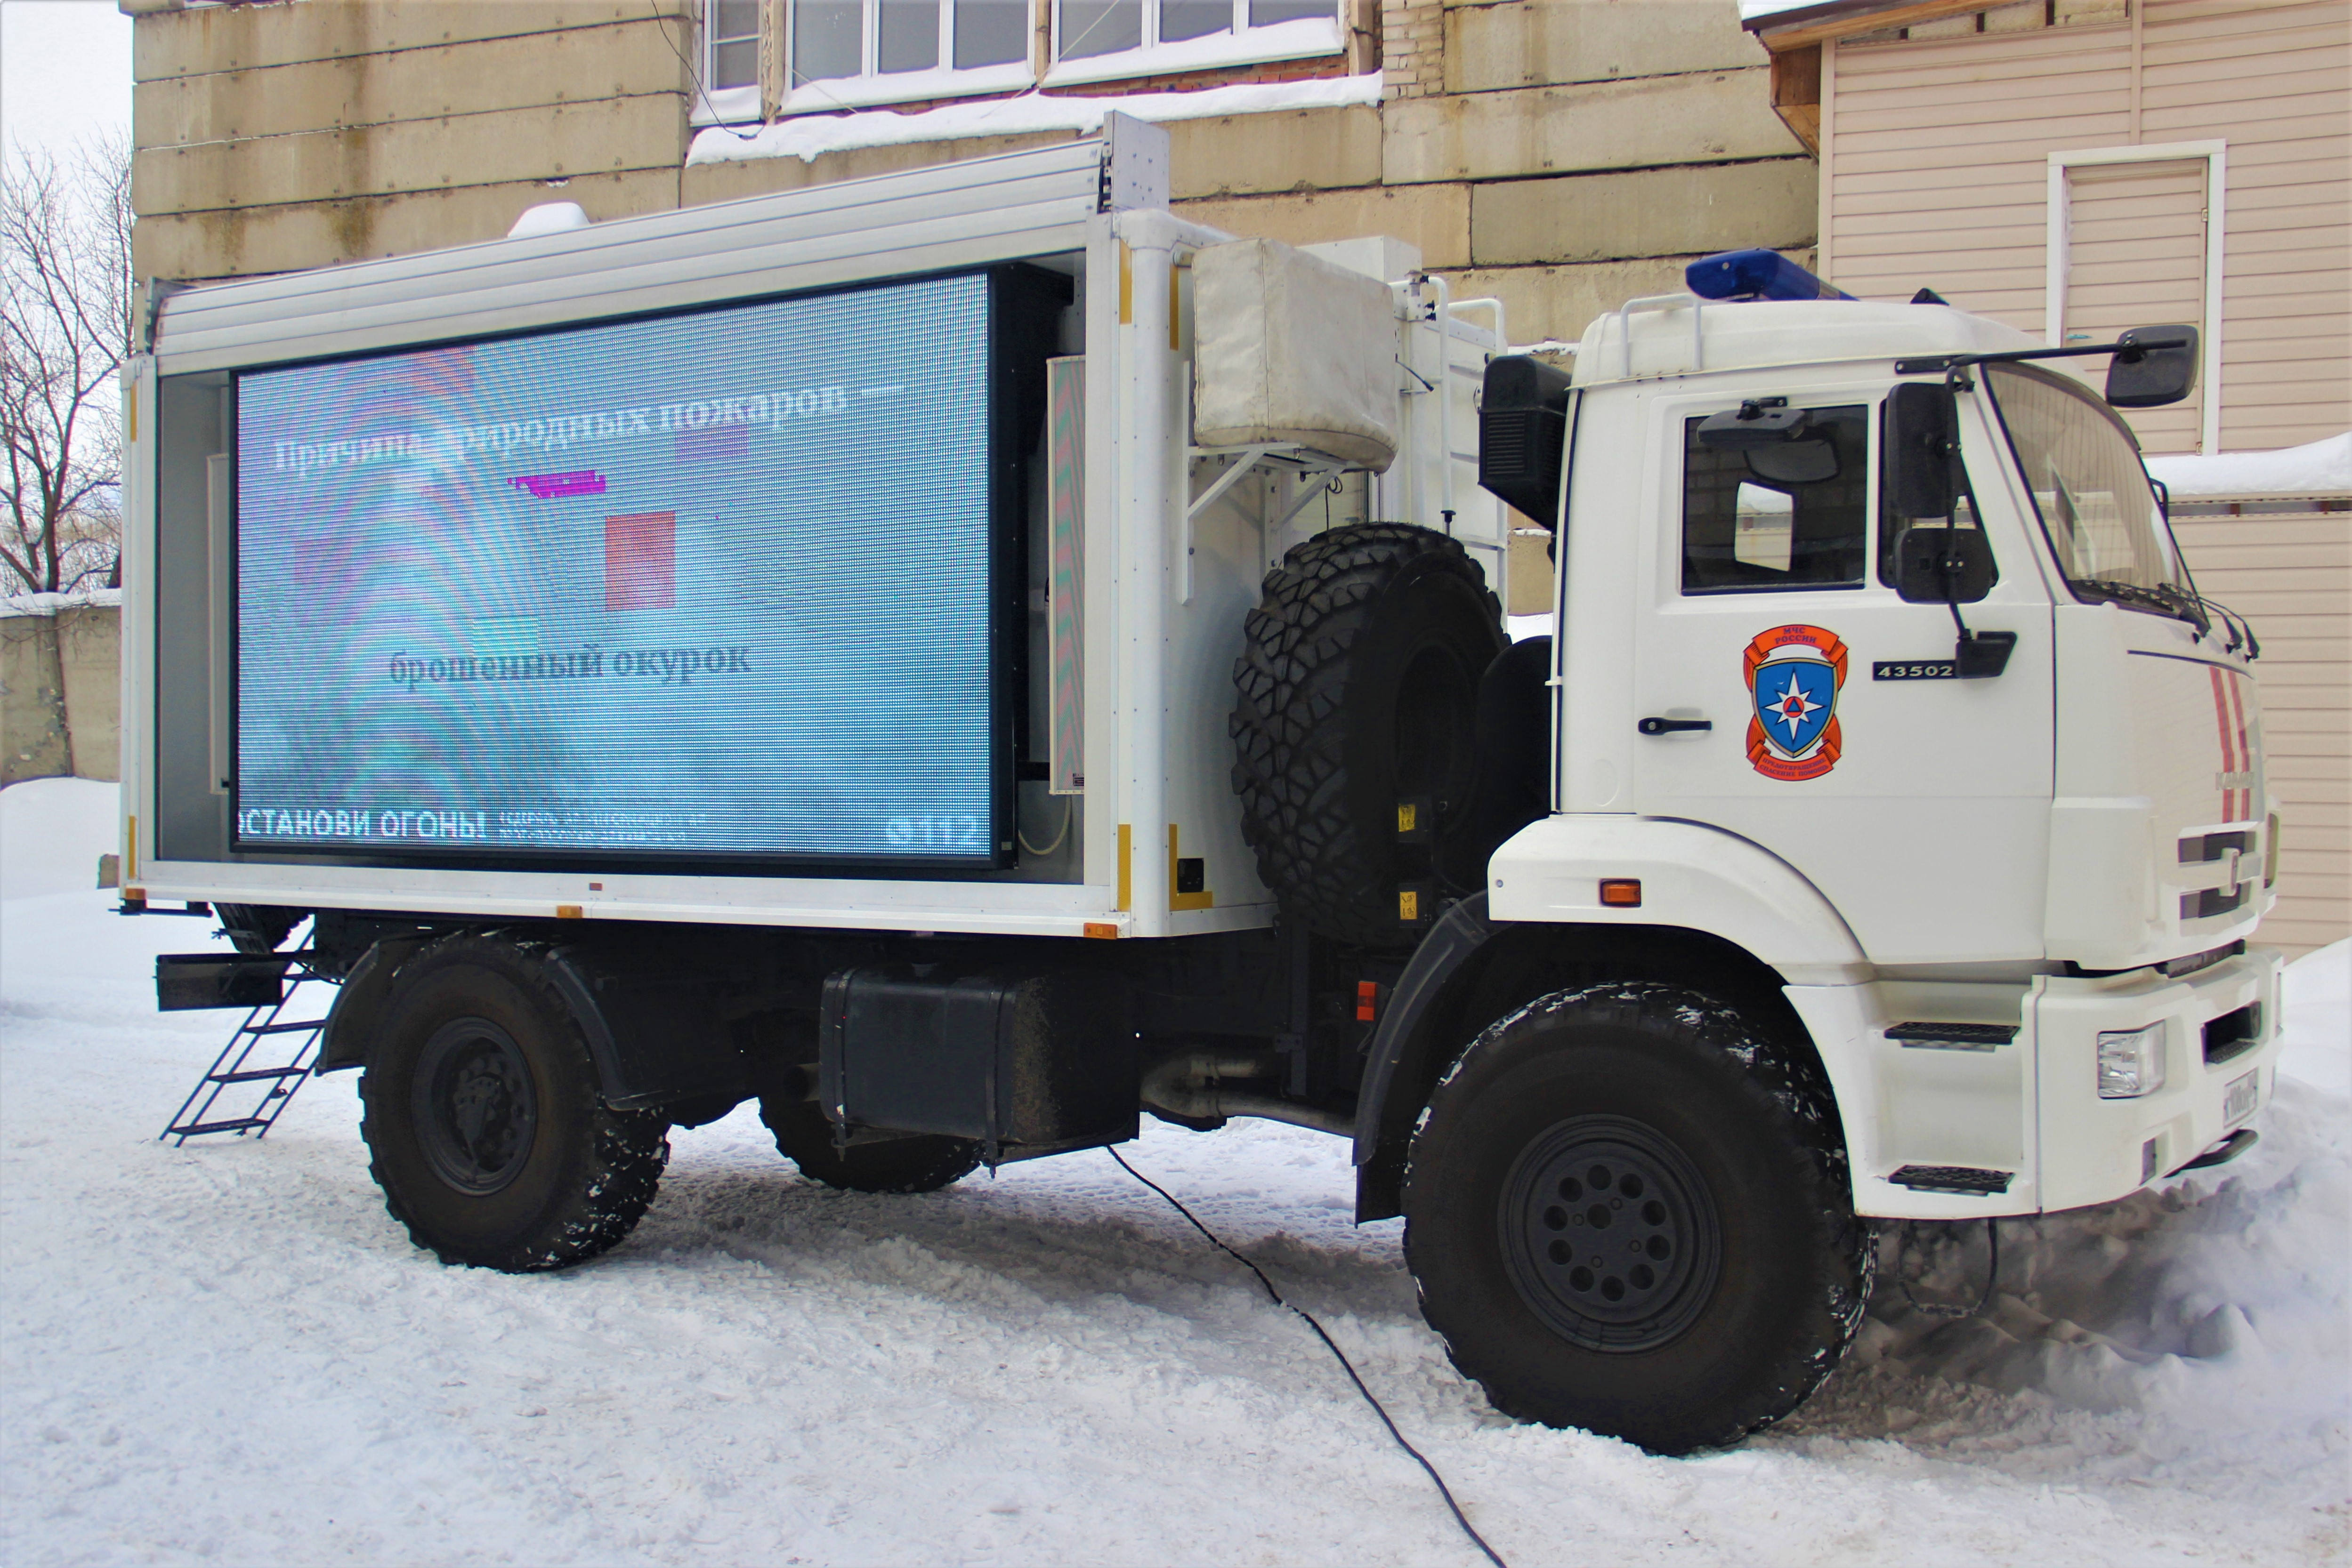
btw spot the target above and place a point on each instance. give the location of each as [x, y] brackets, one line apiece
[1629, 1212]
[486, 1123]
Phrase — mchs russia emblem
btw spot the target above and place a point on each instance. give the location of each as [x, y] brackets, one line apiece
[1794, 675]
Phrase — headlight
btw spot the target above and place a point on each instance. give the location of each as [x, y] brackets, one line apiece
[2131, 1062]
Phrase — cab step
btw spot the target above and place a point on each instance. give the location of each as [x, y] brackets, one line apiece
[1965, 1180]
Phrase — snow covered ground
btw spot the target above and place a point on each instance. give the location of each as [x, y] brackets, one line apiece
[228, 1354]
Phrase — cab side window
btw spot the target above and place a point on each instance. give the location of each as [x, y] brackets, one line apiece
[1778, 514]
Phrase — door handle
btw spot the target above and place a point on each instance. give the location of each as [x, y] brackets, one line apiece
[1673, 725]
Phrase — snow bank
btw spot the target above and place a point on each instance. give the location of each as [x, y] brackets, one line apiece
[808, 137]
[2315, 468]
[229, 1354]
[52, 832]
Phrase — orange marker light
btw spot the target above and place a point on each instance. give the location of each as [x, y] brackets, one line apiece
[1368, 997]
[1103, 930]
[1621, 893]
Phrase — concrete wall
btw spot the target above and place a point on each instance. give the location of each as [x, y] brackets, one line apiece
[61, 693]
[273, 137]
[1561, 154]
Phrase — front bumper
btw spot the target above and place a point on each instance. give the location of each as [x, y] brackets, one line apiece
[2096, 1151]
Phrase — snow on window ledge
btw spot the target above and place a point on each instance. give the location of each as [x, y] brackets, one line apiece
[726, 105]
[2318, 468]
[809, 137]
[1304, 39]
[837, 93]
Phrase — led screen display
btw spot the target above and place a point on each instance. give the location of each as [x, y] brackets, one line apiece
[704, 585]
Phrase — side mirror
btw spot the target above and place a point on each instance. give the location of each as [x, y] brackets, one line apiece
[1934, 566]
[2157, 366]
[1523, 434]
[1922, 434]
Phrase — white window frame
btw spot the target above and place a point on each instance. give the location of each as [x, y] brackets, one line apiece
[1304, 37]
[873, 86]
[2060, 256]
[724, 105]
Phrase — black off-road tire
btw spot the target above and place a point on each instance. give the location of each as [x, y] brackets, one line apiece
[1357, 690]
[486, 1123]
[1628, 1211]
[924, 1164]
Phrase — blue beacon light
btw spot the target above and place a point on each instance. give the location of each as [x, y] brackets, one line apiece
[1756, 275]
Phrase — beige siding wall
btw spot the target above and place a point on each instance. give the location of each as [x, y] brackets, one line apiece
[1935, 174]
[1935, 171]
[2293, 577]
[2277, 82]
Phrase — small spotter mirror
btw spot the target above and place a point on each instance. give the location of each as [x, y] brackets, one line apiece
[2156, 366]
[1779, 442]
[1759, 422]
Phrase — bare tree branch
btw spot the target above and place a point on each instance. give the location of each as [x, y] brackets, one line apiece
[67, 299]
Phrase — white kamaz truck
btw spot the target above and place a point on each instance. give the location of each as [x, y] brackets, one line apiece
[967, 658]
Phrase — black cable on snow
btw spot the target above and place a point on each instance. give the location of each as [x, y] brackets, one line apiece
[1341, 1356]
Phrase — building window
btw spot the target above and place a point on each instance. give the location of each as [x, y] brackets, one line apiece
[849, 54]
[1097, 40]
[844, 53]
[731, 38]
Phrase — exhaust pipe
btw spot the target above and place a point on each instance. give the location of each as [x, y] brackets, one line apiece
[1194, 1088]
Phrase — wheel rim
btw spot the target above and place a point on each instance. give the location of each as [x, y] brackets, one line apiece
[476, 1109]
[1610, 1234]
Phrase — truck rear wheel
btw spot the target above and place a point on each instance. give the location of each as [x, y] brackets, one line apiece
[1357, 694]
[486, 1122]
[922, 1164]
[1627, 1212]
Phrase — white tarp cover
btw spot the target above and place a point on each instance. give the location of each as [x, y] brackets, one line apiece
[1289, 348]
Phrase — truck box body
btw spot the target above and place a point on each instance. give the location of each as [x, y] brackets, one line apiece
[784, 561]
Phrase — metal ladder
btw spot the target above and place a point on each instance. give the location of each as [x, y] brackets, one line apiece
[234, 1069]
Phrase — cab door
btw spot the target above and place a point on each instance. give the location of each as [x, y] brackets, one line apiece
[1785, 692]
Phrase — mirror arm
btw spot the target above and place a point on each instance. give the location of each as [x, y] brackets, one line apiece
[1975, 655]
[1955, 361]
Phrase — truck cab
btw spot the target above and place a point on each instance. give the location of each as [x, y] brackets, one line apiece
[2061, 855]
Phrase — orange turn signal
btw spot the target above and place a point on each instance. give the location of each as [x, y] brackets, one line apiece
[1621, 893]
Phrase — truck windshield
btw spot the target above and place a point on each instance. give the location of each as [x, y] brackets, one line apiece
[2097, 506]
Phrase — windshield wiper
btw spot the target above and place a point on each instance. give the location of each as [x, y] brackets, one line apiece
[2241, 630]
[2171, 600]
[2191, 606]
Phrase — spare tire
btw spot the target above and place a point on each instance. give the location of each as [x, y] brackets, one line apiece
[1357, 690]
